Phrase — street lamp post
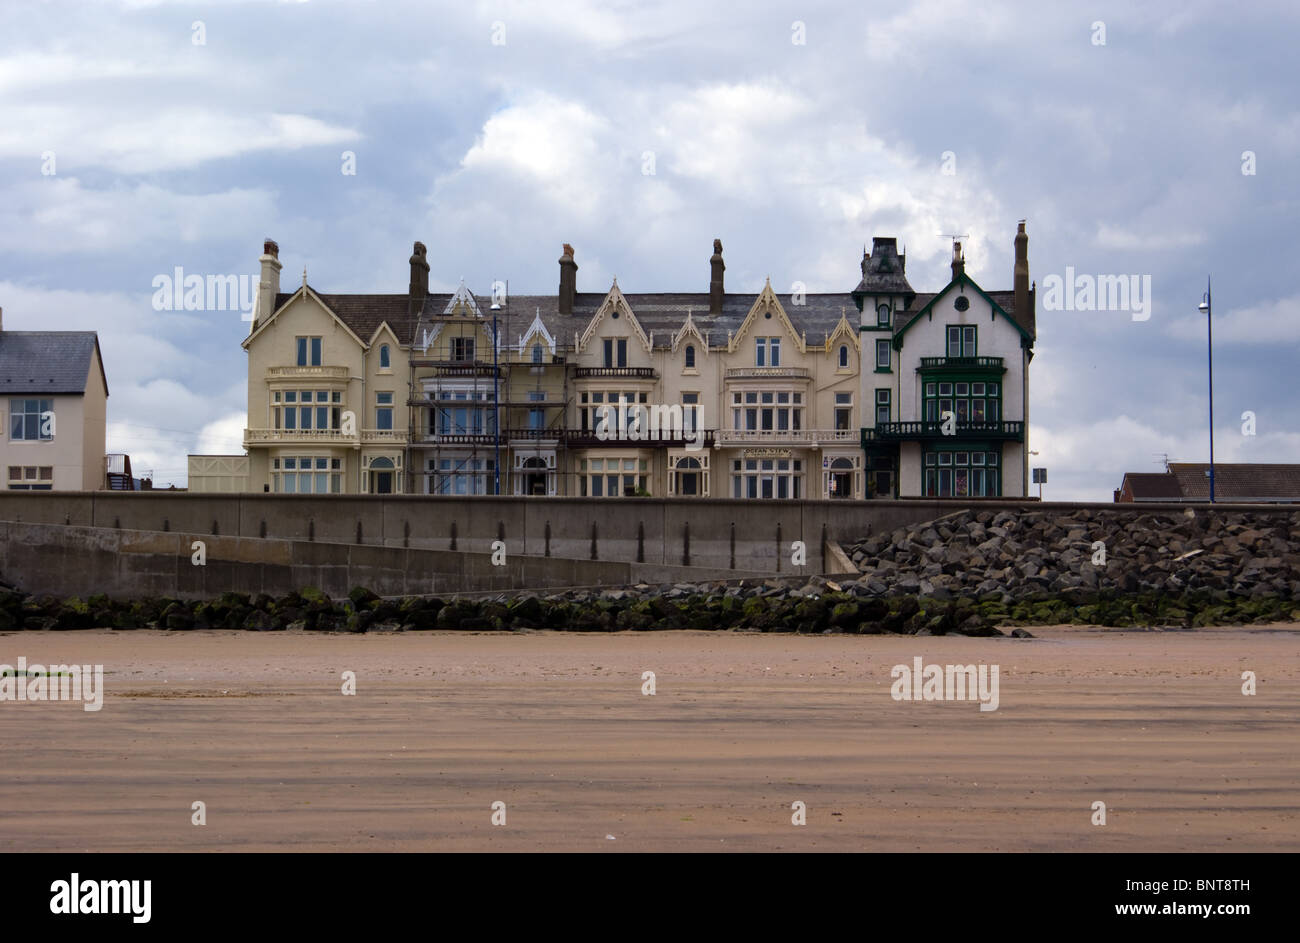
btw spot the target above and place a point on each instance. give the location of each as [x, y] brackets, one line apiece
[1209, 330]
[496, 402]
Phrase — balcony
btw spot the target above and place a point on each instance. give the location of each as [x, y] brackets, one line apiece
[458, 368]
[667, 439]
[633, 373]
[306, 373]
[457, 439]
[298, 437]
[811, 438]
[768, 373]
[900, 431]
[961, 363]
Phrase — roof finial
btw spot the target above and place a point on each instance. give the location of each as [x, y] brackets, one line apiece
[304, 276]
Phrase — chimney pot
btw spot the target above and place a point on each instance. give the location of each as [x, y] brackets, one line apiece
[271, 247]
[419, 286]
[568, 280]
[716, 268]
[1024, 302]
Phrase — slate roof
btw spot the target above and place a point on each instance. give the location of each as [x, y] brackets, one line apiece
[883, 270]
[1244, 482]
[1152, 486]
[662, 313]
[46, 362]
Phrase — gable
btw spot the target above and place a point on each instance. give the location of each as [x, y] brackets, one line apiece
[295, 303]
[960, 283]
[766, 303]
[614, 310]
[536, 331]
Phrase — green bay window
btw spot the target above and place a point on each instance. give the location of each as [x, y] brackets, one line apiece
[971, 401]
[962, 473]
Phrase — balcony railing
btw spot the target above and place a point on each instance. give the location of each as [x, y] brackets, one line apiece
[458, 368]
[570, 438]
[898, 431]
[306, 373]
[635, 373]
[461, 438]
[260, 436]
[961, 363]
[585, 439]
[383, 436]
[763, 373]
[786, 436]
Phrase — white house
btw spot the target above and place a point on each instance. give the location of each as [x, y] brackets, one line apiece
[945, 379]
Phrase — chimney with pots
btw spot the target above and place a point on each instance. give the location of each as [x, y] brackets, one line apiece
[1020, 274]
[419, 287]
[958, 262]
[268, 286]
[716, 268]
[568, 280]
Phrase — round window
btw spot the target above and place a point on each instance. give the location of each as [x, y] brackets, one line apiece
[962, 303]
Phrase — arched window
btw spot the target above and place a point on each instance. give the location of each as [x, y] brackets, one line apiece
[844, 355]
[690, 356]
[537, 353]
[687, 475]
[384, 361]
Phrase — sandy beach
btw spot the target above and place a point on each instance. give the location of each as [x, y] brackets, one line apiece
[442, 725]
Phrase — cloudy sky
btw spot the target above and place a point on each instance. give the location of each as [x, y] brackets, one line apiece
[142, 135]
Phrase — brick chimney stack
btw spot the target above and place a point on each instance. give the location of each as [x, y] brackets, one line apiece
[419, 287]
[268, 286]
[716, 268]
[568, 280]
[958, 262]
[1020, 274]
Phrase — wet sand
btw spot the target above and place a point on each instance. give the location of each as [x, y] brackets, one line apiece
[443, 725]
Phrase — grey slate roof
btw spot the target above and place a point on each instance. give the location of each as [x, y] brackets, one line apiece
[1238, 482]
[1152, 486]
[46, 362]
[660, 313]
[883, 270]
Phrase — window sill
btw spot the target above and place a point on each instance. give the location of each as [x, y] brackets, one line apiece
[884, 370]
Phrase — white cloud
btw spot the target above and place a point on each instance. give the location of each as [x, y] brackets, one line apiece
[1117, 237]
[1268, 323]
[60, 214]
[134, 141]
[224, 436]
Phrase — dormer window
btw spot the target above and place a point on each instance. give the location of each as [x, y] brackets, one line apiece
[882, 316]
[384, 360]
[690, 356]
[537, 353]
[844, 355]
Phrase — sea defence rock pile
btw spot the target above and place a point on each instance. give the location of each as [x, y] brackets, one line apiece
[968, 574]
[1029, 554]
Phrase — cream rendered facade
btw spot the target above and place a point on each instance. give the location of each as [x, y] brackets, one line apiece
[767, 396]
[331, 424]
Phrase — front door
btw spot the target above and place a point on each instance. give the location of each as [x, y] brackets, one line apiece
[383, 483]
